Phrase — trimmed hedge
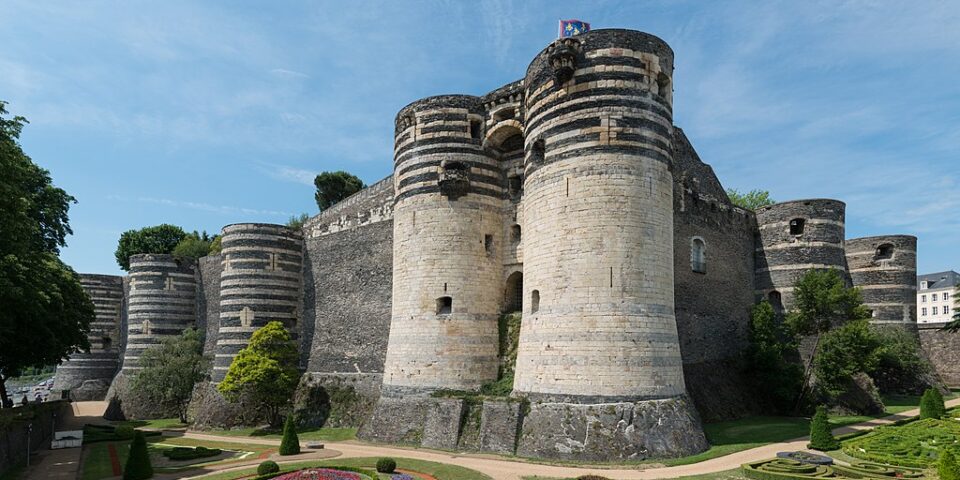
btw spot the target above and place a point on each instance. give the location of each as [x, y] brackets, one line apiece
[788, 469]
[188, 453]
[917, 444]
[138, 461]
[268, 467]
[290, 444]
[386, 465]
[107, 433]
[821, 438]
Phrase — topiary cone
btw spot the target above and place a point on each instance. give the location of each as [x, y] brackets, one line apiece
[290, 445]
[138, 461]
[821, 438]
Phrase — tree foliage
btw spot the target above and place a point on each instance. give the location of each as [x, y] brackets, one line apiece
[776, 380]
[335, 186]
[296, 222]
[138, 460]
[290, 443]
[845, 351]
[821, 300]
[751, 200]
[44, 313]
[157, 239]
[170, 370]
[954, 326]
[932, 404]
[821, 438]
[196, 245]
[264, 373]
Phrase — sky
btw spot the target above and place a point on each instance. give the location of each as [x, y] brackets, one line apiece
[203, 114]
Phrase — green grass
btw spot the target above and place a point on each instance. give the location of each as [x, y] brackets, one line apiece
[159, 424]
[97, 464]
[305, 434]
[439, 470]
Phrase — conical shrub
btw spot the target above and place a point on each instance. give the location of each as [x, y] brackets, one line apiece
[821, 438]
[138, 461]
[290, 445]
[931, 404]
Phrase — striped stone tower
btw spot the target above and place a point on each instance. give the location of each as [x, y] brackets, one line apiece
[260, 283]
[161, 303]
[885, 270]
[88, 375]
[796, 237]
[447, 251]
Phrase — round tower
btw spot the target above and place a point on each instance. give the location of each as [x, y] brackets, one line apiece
[259, 283]
[161, 303]
[446, 252]
[796, 237]
[88, 374]
[885, 270]
[598, 320]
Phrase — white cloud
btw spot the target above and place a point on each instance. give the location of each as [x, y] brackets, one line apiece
[206, 207]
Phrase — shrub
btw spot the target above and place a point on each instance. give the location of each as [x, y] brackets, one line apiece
[386, 465]
[187, 453]
[138, 462]
[268, 467]
[821, 438]
[290, 444]
[124, 432]
[947, 467]
[591, 477]
[931, 404]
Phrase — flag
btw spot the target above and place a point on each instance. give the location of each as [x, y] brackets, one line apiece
[569, 28]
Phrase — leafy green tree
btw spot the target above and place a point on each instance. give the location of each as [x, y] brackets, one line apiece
[776, 380]
[821, 438]
[157, 239]
[947, 466]
[138, 460]
[335, 186]
[296, 222]
[751, 200]
[195, 246]
[264, 373]
[844, 352]
[170, 370]
[954, 326]
[44, 313]
[900, 356]
[290, 444]
[822, 300]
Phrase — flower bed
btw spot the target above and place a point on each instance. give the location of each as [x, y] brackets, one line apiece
[335, 473]
[917, 444]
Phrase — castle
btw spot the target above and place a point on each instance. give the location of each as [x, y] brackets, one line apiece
[569, 196]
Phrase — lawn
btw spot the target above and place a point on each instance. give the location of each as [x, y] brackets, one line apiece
[305, 434]
[158, 424]
[439, 470]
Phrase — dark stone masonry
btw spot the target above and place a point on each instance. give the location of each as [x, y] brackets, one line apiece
[568, 196]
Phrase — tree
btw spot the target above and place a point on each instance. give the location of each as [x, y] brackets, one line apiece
[45, 314]
[821, 438]
[954, 326]
[932, 405]
[845, 351]
[947, 466]
[335, 186]
[290, 444]
[138, 461]
[264, 372]
[157, 239]
[751, 200]
[296, 222]
[776, 380]
[195, 246]
[821, 300]
[170, 370]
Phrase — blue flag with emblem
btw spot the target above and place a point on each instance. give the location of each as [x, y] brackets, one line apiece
[569, 28]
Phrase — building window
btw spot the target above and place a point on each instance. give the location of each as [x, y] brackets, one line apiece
[923, 311]
[475, 129]
[488, 244]
[933, 297]
[946, 296]
[698, 255]
[885, 252]
[946, 309]
[923, 299]
[796, 226]
[444, 305]
[776, 301]
[923, 284]
[513, 294]
[535, 301]
[934, 310]
[537, 152]
[515, 185]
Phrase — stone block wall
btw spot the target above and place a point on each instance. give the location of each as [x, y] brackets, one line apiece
[14, 436]
[885, 270]
[943, 350]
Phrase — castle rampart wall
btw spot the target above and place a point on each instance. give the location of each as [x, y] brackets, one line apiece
[88, 374]
[943, 350]
[885, 270]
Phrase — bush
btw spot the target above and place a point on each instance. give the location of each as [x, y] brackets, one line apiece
[187, 453]
[290, 444]
[821, 438]
[124, 432]
[386, 465]
[947, 467]
[268, 467]
[591, 477]
[138, 462]
[931, 404]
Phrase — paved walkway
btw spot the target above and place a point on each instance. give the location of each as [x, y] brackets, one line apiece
[506, 469]
[65, 463]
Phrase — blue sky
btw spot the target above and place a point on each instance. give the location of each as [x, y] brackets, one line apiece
[204, 114]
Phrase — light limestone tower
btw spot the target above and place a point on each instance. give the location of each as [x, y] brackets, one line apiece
[447, 250]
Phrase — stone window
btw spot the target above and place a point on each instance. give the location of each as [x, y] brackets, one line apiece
[663, 85]
[776, 300]
[515, 233]
[107, 343]
[884, 252]
[537, 152]
[504, 114]
[168, 283]
[698, 255]
[488, 244]
[535, 301]
[796, 226]
[444, 305]
[515, 185]
[475, 128]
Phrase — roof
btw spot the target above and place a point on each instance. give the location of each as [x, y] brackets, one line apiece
[948, 279]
